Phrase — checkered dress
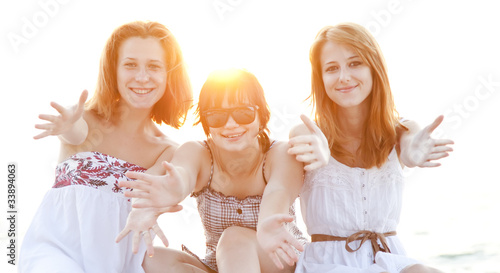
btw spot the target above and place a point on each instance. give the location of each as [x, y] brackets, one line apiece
[218, 212]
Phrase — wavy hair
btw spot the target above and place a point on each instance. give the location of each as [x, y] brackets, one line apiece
[382, 122]
[172, 108]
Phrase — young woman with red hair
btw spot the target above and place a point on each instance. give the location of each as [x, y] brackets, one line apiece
[352, 205]
[142, 81]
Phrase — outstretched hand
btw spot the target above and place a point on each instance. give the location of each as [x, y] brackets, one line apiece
[423, 150]
[276, 241]
[311, 149]
[156, 191]
[63, 122]
[141, 222]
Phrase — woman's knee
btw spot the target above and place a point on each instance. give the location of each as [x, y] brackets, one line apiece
[164, 258]
[235, 236]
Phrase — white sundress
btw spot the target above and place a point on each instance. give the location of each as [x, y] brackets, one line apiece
[339, 200]
[75, 227]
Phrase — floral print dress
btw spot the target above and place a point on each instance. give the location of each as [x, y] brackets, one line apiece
[75, 227]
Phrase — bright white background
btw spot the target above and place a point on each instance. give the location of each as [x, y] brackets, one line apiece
[443, 58]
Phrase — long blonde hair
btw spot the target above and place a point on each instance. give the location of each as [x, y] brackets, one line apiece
[379, 132]
[172, 108]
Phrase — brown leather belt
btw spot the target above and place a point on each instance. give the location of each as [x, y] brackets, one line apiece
[363, 235]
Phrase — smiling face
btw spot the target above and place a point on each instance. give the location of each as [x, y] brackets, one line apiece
[141, 72]
[347, 79]
[233, 136]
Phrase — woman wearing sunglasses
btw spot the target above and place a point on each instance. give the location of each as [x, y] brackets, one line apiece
[229, 174]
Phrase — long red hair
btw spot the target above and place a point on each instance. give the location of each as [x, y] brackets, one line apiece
[172, 108]
[379, 132]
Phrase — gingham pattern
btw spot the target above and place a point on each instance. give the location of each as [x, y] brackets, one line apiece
[218, 212]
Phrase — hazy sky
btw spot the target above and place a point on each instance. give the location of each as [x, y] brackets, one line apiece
[443, 58]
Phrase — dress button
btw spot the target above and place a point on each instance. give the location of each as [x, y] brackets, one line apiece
[364, 198]
[239, 211]
[366, 212]
[363, 185]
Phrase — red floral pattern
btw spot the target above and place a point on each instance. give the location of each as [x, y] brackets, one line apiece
[94, 169]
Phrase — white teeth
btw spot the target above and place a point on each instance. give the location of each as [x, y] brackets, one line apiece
[141, 91]
[232, 136]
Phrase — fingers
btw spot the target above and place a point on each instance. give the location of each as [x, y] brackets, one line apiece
[306, 158]
[440, 149]
[138, 175]
[281, 253]
[300, 149]
[46, 126]
[136, 185]
[431, 127]
[83, 98]
[160, 235]
[302, 139]
[42, 135]
[146, 235]
[49, 118]
[277, 241]
[288, 254]
[435, 156]
[276, 260]
[59, 108]
[313, 166]
[136, 194]
[136, 240]
[430, 164]
[168, 166]
[295, 243]
[122, 235]
[81, 102]
[309, 124]
[441, 142]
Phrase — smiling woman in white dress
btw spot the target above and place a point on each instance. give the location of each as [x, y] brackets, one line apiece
[142, 81]
[352, 205]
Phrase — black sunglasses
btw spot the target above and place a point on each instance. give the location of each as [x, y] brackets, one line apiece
[242, 115]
